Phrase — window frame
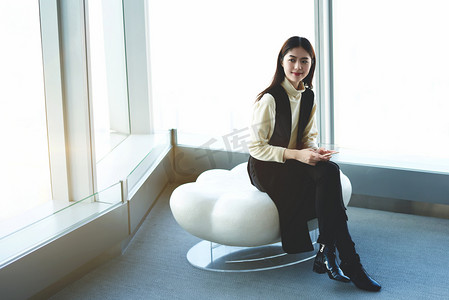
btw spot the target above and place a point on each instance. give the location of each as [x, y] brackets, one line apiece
[69, 107]
[51, 57]
[324, 74]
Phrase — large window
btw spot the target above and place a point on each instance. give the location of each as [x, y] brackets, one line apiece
[59, 136]
[210, 59]
[390, 80]
[25, 175]
[65, 114]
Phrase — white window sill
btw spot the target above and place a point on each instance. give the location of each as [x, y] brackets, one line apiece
[131, 159]
[393, 161]
[38, 232]
[128, 162]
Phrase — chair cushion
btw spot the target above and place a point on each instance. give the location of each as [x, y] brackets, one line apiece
[223, 206]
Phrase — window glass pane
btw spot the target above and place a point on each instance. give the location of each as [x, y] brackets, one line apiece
[107, 71]
[210, 59]
[25, 175]
[390, 70]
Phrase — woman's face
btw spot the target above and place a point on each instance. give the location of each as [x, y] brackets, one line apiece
[296, 64]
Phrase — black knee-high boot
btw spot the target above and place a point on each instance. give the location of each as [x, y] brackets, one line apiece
[350, 260]
[332, 222]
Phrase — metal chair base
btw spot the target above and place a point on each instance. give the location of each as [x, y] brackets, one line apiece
[221, 258]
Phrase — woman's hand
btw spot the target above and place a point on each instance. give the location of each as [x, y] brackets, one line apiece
[307, 156]
[324, 151]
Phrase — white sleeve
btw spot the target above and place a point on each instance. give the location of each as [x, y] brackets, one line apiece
[261, 130]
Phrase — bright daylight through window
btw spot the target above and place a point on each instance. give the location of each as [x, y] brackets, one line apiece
[25, 176]
[207, 68]
[390, 81]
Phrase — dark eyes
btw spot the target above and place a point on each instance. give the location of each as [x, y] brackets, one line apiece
[305, 61]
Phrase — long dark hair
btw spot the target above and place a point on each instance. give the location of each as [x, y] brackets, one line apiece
[293, 42]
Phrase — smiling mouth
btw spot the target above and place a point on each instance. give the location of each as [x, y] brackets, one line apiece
[297, 74]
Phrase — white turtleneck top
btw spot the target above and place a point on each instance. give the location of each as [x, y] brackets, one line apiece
[262, 125]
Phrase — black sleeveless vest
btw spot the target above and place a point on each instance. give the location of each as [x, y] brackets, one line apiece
[283, 120]
[281, 133]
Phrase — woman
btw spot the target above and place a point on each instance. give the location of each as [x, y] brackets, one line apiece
[286, 163]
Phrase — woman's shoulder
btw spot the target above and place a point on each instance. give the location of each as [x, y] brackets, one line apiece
[265, 104]
[266, 100]
[267, 97]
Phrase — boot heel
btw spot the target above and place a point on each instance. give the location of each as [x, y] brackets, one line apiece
[319, 268]
[325, 263]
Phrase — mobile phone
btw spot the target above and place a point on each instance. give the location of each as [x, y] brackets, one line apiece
[330, 153]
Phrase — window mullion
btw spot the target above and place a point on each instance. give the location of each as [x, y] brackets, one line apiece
[53, 99]
[77, 107]
[137, 66]
[324, 78]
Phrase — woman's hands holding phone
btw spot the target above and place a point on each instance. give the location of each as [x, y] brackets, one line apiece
[309, 156]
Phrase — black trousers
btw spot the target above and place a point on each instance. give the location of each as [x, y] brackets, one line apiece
[302, 192]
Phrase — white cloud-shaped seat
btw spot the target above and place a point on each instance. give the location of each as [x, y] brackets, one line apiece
[223, 206]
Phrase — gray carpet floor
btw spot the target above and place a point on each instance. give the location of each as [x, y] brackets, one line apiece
[407, 254]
